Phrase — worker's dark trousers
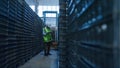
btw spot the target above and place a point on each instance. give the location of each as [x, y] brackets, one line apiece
[47, 48]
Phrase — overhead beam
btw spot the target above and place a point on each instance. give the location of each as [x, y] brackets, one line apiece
[36, 6]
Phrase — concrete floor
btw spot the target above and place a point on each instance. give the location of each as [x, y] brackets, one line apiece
[41, 61]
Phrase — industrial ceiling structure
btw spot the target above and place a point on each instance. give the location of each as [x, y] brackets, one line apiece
[43, 2]
[39, 6]
[43, 5]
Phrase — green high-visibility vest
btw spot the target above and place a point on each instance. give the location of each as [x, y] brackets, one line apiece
[47, 30]
[47, 37]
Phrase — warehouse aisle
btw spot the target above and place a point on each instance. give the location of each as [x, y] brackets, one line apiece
[41, 61]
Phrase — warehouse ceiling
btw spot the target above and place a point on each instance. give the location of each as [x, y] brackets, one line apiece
[30, 2]
[49, 2]
[45, 5]
[43, 2]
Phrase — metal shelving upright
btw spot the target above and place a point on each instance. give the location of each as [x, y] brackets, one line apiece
[62, 33]
[92, 34]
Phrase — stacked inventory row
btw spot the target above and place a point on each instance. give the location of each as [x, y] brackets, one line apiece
[90, 34]
[20, 33]
[62, 33]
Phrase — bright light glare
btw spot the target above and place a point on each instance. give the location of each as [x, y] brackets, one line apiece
[32, 7]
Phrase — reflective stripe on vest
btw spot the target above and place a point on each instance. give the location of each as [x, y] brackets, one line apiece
[47, 30]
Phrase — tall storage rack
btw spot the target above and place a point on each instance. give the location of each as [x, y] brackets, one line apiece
[92, 34]
[62, 33]
[20, 33]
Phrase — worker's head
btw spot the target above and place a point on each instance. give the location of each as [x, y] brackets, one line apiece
[46, 26]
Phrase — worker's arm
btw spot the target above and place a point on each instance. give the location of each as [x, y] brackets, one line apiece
[44, 33]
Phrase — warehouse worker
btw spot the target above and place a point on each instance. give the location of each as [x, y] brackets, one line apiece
[47, 37]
